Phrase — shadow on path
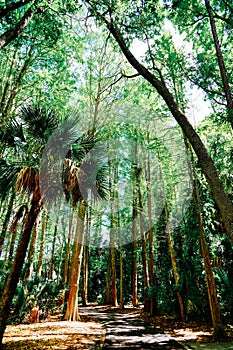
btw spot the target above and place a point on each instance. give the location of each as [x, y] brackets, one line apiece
[124, 330]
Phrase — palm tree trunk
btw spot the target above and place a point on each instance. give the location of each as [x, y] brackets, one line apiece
[72, 306]
[16, 268]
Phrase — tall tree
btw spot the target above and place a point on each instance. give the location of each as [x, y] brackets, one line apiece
[221, 63]
[223, 201]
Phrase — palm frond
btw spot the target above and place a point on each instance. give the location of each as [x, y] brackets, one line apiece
[39, 121]
[27, 179]
[8, 176]
[82, 146]
[12, 133]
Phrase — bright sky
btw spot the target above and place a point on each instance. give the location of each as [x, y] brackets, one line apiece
[197, 108]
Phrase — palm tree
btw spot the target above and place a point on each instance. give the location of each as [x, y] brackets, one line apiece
[80, 181]
[23, 169]
[33, 177]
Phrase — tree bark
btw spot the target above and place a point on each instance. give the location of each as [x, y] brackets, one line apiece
[16, 268]
[67, 258]
[72, 306]
[86, 260]
[14, 6]
[173, 260]
[108, 281]
[144, 245]
[153, 301]
[42, 238]
[7, 220]
[222, 200]
[13, 33]
[134, 230]
[211, 286]
[29, 265]
[51, 263]
[222, 67]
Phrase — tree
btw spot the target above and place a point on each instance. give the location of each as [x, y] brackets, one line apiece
[224, 203]
[221, 63]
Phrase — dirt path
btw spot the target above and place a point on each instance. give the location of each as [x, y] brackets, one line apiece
[124, 330]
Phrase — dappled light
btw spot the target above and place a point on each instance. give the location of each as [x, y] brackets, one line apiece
[116, 174]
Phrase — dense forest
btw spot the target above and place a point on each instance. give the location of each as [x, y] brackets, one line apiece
[116, 158]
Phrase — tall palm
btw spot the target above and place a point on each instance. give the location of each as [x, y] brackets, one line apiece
[22, 169]
[39, 126]
[80, 181]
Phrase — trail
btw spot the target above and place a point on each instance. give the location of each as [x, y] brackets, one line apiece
[124, 330]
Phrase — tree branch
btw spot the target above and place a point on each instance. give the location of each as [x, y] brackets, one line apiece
[12, 7]
[13, 33]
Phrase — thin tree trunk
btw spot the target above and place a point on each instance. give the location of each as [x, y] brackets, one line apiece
[16, 268]
[72, 306]
[134, 231]
[153, 302]
[108, 281]
[31, 253]
[51, 263]
[13, 229]
[221, 63]
[42, 238]
[112, 239]
[144, 245]
[211, 286]
[173, 260]
[6, 221]
[67, 258]
[86, 260]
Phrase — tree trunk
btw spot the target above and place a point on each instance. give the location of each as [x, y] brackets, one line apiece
[221, 63]
[211, 286]
[112, 240]
[29, 264]
[13, 229]
[72, 306]
[86, 260]
[67, 258]
[222, 200]
[53, 251]
[11, 7]
[41, 253]
[134, 230]
[14, 32]
[108, 281]
[173, 260]
[153, 302]
[144, 245]
[16, 268]
[6, 221]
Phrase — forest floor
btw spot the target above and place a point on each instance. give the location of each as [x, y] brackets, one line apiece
[104, 327]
